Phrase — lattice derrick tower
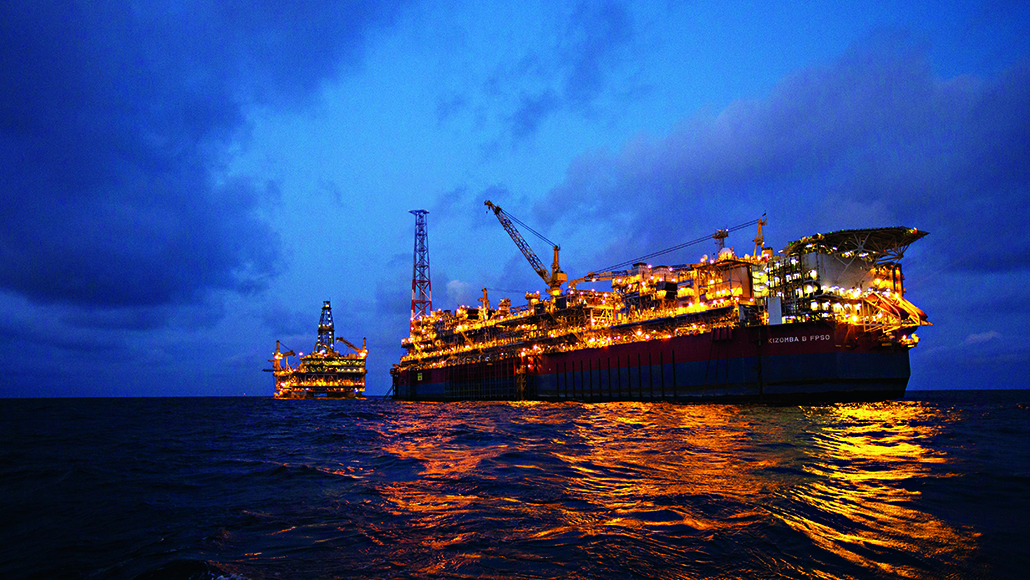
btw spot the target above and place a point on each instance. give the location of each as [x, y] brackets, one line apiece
[421, 288]
[326, 334]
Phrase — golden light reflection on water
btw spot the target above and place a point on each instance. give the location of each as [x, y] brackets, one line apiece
[673, 482]
[863, 458]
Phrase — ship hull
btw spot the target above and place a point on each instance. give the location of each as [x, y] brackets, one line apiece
[784, 363]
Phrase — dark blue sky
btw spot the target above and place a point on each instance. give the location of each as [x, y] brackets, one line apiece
[184, 183]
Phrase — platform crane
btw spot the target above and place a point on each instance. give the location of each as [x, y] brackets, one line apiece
[760, 239]
[362, 350]
[555, 277]
[278, 357]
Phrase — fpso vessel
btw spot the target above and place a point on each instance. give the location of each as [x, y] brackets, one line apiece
[824, 320]
[326, 372]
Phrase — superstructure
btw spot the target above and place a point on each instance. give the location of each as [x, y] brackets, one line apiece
[825, 319]
[325, 372]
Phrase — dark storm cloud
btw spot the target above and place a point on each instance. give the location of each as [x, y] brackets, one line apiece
[596, 33]
[285, 320]
[465, 206]
[533, 110]
[114, 127]
[449, 204]
[447, 106]
[872, 139]
[589, 50]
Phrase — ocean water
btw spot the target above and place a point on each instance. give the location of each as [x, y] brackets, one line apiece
[934, 486]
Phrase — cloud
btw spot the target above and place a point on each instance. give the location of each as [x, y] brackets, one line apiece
[25, 326]
[982, 337]
[460, 293]
[587, 53]
[448, 106]
[873, 136]
[115, 124]
[533, 110]
[595, 34]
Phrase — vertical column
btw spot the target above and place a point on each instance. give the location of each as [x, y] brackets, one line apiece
[326, 335]
[421, 288]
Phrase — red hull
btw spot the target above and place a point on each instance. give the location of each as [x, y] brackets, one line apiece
[806, 361]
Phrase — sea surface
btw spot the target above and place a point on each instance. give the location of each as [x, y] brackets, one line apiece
[934, 486]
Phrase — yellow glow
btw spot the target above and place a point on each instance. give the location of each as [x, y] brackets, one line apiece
[857, 457]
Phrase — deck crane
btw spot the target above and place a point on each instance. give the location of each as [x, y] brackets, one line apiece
[760, 239]
[278, 357]
[356, 350]
[555, 278]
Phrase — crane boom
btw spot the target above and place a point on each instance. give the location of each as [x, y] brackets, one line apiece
[527, 251]
[555, 277]
[350, 344]
[598, 277]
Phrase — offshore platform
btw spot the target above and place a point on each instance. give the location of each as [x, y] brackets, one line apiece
[825, 319]
[325, 372]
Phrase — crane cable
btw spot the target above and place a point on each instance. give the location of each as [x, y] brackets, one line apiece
[534, 232]
[505, 291]
[674, 248]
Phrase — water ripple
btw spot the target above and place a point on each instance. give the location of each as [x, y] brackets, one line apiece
[254, 488]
